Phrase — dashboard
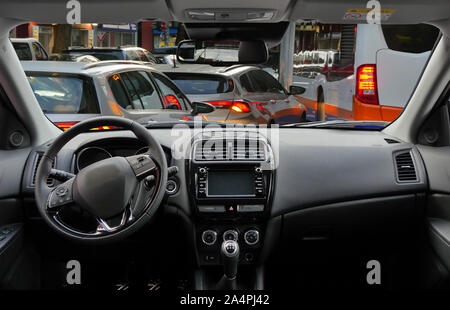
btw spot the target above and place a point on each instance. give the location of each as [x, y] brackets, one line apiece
[254, 187]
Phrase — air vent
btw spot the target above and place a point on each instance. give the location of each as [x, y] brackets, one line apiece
[50, 181]
[391, 141]
[406, 172]
[235, 150]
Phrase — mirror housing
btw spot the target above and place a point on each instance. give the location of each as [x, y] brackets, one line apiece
[201, 107]
[222, 53]
[296, 90]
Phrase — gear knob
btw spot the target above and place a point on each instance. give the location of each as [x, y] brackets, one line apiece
[230, 258]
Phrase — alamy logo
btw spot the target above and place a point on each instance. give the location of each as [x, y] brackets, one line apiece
[74, 272]
[374, 15]
[374, 275]
[74, 14]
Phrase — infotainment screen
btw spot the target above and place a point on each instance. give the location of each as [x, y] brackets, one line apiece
[230, 183]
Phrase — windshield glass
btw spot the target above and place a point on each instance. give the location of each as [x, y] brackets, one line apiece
[354, 75]
[63, 94]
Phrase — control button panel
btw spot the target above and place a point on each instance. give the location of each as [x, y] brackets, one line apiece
[250, 208]
[211, 209]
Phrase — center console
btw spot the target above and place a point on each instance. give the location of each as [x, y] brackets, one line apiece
[230, 182]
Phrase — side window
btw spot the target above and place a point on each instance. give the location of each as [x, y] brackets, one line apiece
[119, 91]
[23, 51]
[39, 52]
[264, 82]
[142, 91]
[245, 83]
[170, 92]
[410, 38]
[132, 55]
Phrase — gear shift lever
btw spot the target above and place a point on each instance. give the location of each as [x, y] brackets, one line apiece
[230, 258]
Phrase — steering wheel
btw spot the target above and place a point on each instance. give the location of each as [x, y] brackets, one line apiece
[120, 193]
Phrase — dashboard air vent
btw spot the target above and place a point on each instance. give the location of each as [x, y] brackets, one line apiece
[235, 150]
[406, 172]
[50, 181]
[391, 141]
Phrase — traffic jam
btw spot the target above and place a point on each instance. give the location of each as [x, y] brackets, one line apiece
[337, 74]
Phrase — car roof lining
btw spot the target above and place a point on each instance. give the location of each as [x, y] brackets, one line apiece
[114, 11]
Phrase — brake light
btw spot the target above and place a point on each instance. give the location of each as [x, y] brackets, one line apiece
[65, 125]
[222, 103]
[240, 107]
[366, 84]
[171, 99]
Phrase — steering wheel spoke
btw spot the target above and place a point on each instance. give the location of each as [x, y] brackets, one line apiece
[143, 165]
[105, 226]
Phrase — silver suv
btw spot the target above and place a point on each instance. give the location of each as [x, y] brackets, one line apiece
[241, 93]
[69, 92]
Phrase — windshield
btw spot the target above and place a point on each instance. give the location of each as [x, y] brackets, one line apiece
[63, 94]
[357, 76]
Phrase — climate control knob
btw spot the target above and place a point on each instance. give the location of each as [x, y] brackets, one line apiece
[230, 235]
[209, 237]
[251, 237]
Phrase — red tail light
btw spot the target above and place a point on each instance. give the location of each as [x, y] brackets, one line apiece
[366, 84]
[222, 103]
[240, 107]
[65, 125]
[171, 99]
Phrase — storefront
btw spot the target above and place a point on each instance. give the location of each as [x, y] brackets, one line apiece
[111, 35]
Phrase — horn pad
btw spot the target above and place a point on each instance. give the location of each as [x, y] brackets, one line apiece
[105, 188]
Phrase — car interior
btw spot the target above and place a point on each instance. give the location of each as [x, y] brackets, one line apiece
[199, 207]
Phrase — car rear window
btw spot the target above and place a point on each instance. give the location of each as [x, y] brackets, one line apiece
[199, 84]
[61, 94]
[410, 38]
[23, 51]
[102, 55]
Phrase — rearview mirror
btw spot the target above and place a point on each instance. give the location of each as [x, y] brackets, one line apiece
[201, 107]
[296, 90]
[223, 53]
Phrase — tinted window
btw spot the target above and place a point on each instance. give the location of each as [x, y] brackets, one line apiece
[168, 88]
[263, 82]
[119, 91]
[39, 52]
[410, 38]
[133, 55]
[102, 55]
[245, 83]
[196, 84]
[142, 91]
[23, 51]
[64, 94]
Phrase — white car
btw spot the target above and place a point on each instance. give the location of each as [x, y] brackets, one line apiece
[29, 49]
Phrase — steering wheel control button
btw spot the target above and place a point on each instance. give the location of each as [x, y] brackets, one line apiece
[209, 237]
[141, 164]
[230, 235]
[251, 237]
[61, 195]
[61, 191]
[171, 187]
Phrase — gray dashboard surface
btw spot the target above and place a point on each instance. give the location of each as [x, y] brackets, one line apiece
[313, 166]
